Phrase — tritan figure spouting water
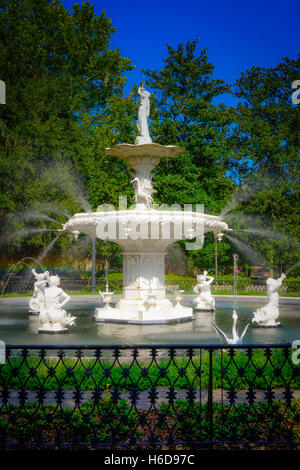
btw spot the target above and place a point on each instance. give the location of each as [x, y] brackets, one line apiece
[38, 294]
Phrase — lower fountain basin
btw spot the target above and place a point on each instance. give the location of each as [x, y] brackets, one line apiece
[144, 235]
[17, 327]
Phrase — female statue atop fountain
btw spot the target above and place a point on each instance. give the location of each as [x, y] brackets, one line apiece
[143, 114]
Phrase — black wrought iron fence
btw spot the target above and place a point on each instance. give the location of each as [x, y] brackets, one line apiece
[71, 285]
[149, 395]
[80, 285]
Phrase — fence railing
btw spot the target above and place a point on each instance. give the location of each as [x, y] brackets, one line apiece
[79, 285]
[149, 395]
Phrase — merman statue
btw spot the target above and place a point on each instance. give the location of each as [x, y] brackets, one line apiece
[53, 318]
[38, 297]
[267, 315]
[205, 300]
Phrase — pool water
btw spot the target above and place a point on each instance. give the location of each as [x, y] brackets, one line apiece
[17, 327]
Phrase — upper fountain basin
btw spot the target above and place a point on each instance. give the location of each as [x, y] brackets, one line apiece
[161, 227]
[143, 157]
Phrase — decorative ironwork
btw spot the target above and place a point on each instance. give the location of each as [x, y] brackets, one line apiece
[149, 395]
[17, 285]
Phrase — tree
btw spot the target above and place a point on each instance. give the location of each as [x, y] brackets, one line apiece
[265, 143]
[183, 113]
[108, 177]
[55, 64]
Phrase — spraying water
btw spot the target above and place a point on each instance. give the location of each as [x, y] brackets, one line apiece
[250, 253]
[49, 247]
[235, 275]
[5, 239]
[247, 190]
[54, 208]
[292, 268]
[11, 271]
[258, 225]
[63, 175]
[270, 234]
[35, 215]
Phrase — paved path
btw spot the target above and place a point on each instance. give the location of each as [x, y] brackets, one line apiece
[144, 401]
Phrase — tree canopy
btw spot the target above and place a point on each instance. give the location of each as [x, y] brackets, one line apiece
[66, 103]
[55, 64]
[184, 114]
[265, 146]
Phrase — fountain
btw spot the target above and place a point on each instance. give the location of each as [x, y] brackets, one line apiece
[144, 233]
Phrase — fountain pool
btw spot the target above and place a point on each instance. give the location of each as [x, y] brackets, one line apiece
[17, 327]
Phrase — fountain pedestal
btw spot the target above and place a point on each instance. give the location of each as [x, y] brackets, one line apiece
[144, 294]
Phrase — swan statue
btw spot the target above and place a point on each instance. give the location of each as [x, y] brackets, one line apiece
[235, 337]
[143, 191]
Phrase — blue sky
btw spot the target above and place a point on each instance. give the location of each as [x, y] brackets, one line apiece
[237, 34]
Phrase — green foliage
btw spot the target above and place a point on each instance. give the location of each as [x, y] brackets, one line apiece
[101, 420]
[56, 66]
[265, 155]
[183, 114]
[65, 105]
[240, 422]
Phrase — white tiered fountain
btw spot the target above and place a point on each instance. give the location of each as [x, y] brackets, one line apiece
[144, 233]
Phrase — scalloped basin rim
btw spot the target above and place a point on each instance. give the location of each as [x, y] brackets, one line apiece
[130, 150]
[133, 213]
[85, 220]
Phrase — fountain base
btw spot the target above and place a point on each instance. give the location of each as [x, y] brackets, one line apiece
[53, 332]
[135, 312]
[204, 309]
[260, 325]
